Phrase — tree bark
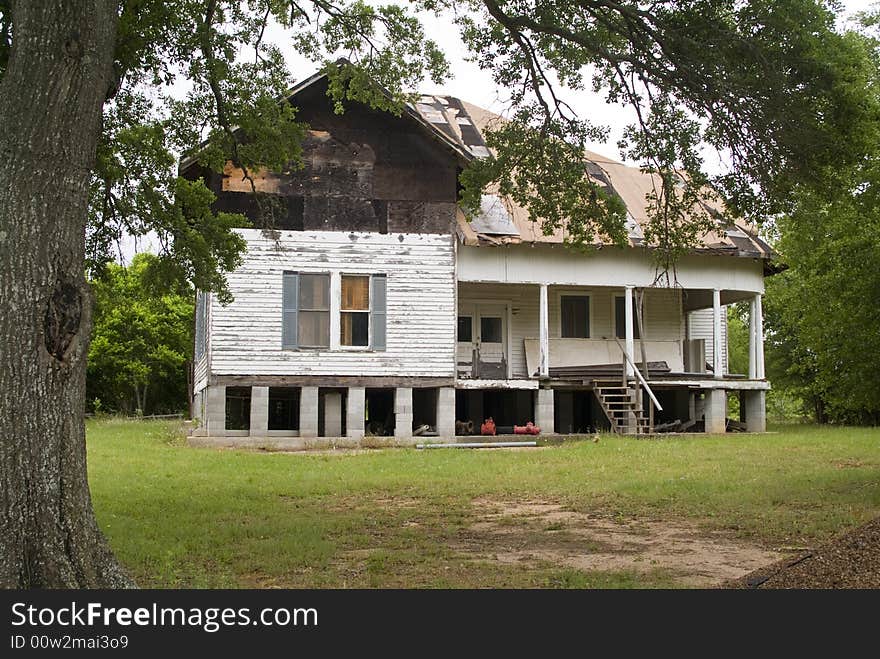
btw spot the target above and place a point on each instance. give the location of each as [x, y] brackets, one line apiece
[51, 97]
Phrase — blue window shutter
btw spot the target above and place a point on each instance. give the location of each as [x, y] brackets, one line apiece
[289, 308]
[201, 318]
[378, 289]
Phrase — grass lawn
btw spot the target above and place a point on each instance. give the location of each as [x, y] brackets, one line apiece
[184, 517]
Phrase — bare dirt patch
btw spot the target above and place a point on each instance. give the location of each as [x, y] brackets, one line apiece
[524, 531]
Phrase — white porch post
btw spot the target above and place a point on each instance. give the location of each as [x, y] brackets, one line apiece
[753, 358]
[630, 337]
[759, 338]
[718, 363]
[544, 334]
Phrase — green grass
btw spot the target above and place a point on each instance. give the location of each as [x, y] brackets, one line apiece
[183, 517]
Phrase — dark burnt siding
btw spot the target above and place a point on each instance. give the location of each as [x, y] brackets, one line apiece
[363, 170]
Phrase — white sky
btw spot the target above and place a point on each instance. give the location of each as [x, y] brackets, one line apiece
[471, 84]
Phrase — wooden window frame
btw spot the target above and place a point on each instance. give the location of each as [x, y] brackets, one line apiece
[368, 311]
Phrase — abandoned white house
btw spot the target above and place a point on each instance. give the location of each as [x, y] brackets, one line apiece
[375, 308]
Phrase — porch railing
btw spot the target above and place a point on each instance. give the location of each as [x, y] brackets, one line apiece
[638, 374]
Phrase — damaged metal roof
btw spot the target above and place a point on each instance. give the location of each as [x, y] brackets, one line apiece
[503, 222]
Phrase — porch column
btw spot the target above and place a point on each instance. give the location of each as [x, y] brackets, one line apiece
[403, 413]
[753, 357]
[354, 413]
[308, 412]
[716, 337]
[755, 403]
[759, 338]
[446, 412]
[259, 411]
[544, 412]
[630, 337]
[544, 334]
[715, 410]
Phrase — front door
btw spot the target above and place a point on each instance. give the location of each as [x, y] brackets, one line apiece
[482, 341]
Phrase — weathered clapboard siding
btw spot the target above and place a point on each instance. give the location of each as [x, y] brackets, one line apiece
[246, 335]
[701, 325]
[664, 318]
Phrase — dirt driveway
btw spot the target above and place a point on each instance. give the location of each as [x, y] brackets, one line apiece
[524, 531]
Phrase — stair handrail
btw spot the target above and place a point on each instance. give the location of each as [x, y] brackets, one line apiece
[638, 374]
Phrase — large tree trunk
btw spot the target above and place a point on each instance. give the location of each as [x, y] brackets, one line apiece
[50, 118]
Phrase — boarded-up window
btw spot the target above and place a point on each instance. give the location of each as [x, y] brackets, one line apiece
[238, 408]
[201, 324]
[306, 311]
[575, 316]
[620, 318]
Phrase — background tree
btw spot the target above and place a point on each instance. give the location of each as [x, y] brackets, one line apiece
[823, 313]
[141, 343]
[89, 134]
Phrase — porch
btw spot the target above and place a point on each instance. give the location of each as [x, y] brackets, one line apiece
[623, 344]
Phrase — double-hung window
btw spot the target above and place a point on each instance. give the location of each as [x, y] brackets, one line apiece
[354, 318]
[306, 310]
[362, 311]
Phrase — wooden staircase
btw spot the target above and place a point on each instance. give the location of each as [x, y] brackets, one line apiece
[622, 405]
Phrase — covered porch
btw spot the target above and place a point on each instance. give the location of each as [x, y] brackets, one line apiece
[627, 340]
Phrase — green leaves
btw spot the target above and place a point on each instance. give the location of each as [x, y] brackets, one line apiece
[823, 313]
[142, 339]
[545, 171]
[772, 87]
[201, 79]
